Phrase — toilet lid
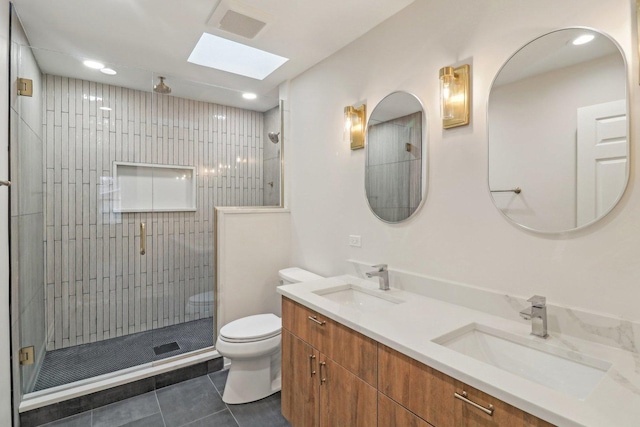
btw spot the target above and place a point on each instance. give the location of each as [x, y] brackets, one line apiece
[252, 328]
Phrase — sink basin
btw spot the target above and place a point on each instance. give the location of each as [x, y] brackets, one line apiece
[358, 297]
[566, 371]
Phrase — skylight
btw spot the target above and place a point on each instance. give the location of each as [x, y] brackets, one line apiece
[226, 55]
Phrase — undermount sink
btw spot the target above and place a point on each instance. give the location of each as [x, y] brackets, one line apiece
[359, 297]
[565, 371]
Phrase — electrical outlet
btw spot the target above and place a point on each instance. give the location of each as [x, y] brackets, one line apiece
[354, 241]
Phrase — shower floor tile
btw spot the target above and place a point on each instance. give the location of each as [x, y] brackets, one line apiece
[77, 363]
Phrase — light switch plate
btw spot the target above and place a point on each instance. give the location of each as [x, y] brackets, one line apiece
[354, 241]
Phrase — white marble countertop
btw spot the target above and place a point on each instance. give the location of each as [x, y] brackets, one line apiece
[411, 326]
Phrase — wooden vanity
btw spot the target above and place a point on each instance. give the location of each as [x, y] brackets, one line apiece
[334, 376]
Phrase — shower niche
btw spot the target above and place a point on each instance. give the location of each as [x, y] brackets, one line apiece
[143, 187]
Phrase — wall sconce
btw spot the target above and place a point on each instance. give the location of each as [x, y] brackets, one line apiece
[354, 121]
[454, 96]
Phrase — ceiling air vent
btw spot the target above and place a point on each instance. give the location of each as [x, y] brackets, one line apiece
[238, 18]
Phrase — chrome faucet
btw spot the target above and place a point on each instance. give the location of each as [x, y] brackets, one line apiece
[383, 276]
[538, 315]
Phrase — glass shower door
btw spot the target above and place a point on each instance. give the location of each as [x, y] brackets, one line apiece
[27, 216]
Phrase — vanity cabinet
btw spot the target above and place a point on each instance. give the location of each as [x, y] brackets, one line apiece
[329, 371]
[334, 376]
[430, 394]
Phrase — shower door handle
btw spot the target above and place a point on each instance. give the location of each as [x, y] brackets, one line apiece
[5, 183]
[143, 238]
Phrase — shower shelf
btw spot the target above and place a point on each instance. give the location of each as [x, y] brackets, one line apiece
[146, 187]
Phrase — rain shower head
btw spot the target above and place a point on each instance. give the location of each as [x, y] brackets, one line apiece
[273, 136]
[161, 87]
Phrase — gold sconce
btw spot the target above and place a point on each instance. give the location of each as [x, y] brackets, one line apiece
[454, 96]
[354, 121]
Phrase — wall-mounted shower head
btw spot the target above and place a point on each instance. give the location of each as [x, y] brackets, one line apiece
[161, 87]
[274, 137]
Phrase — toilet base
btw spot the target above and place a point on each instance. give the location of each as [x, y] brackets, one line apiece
[253, 379]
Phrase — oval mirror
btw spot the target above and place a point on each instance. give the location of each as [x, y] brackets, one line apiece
[395, 169]
[558, 131]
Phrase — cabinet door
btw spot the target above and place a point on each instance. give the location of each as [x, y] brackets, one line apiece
[390, 414]
[504, 414]
[300, 403]
[345, 400]
[352, 350]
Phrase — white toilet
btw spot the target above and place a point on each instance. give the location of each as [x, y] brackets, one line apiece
[252, 344]
[202, 303]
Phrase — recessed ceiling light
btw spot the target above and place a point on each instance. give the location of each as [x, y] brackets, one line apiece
[583, 39]
[108, 71]
[105, 108]
[93, 64]
[249, 95]
[226, 55]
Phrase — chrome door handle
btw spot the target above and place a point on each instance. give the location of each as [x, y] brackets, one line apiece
[463, 397]
[5, 183]
[315, 319]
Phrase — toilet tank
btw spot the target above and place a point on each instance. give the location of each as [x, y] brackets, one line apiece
[296, 275]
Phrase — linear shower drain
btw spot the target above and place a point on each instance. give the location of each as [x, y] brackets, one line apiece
[166, 348]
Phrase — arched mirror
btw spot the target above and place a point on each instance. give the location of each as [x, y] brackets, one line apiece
[395, 170]
[558, 131]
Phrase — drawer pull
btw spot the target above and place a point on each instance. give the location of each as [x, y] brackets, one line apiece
[463, 397]
[311, 357]
[322, 379]
[315, 319]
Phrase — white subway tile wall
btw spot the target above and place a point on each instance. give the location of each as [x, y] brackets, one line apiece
[98, 286]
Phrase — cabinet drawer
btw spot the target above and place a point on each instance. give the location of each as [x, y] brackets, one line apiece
[352, 350]
[390, 414]
[503, 414]
[431, 395]
[423, 390]
[295, 318]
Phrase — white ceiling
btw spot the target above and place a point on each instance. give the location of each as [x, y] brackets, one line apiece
[146, 38]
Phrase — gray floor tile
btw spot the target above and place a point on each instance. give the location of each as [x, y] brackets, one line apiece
[219, 419]
[219, 379]
[126, 411]
[80, 420]
[189, 401]
[263, 413]
[154, 420]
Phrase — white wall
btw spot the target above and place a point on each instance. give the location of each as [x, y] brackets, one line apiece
[5, 365]
[252, 245]
[532, 128]
[459, 234]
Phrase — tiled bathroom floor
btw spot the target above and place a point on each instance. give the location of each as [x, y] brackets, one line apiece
[194, 403]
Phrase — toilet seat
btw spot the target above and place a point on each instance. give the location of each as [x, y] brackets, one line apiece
[202, 299]
[252, 328]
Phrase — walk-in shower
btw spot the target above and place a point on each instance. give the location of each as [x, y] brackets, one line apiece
[102, 165]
